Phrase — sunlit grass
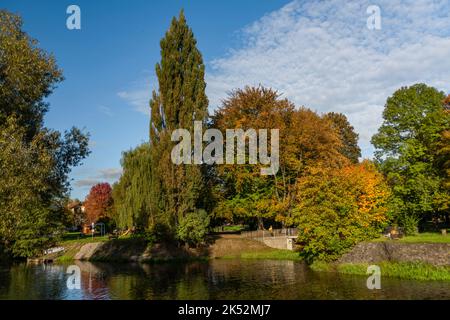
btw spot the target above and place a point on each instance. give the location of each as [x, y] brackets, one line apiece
[267, 254]
[427, 237]
[401, 270]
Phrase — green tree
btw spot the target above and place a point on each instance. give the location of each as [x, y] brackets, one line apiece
[414, 119]
[181, 99]
[27, 75]
[346, 132]
[193, 227]
[34, 161]
[132, 193]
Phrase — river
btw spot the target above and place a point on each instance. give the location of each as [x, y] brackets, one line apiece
[217, 279]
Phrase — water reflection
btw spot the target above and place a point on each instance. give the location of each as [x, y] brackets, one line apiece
[218, 279]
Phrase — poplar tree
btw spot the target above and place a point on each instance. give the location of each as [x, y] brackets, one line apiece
[176, 190]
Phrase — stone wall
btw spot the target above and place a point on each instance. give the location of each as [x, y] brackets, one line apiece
[276, 242]
[373, 252]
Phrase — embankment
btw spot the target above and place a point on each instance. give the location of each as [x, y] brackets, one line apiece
[137, 250]
[418, 261]
[437, 254]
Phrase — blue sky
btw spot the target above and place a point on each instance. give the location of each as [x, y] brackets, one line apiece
[317, 53]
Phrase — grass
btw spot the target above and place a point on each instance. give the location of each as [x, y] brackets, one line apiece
[401, 270]
[427, 237]
[81, 239]
[267, 254]
[232, 228]
[322, 266]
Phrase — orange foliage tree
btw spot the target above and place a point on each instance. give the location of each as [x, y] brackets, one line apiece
[306, 140]
[337, 208]
[99, 202]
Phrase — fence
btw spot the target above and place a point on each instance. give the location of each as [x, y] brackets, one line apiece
[261, 234]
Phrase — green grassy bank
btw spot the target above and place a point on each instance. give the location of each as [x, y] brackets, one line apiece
[401, 270]
[427, 237]
[273, 254]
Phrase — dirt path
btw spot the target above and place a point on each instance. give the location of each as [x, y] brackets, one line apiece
[233, 244]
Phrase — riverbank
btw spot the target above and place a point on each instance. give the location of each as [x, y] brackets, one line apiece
[219, 246]
[405, 259]
[408, 259]
[400, 270]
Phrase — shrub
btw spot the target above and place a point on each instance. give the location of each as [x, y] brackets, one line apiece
[193, 227]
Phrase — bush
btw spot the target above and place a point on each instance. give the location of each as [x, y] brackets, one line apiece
[409, 224]
[193, 228]
[158, 232]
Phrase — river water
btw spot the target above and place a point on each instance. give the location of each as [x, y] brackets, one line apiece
[217, 279]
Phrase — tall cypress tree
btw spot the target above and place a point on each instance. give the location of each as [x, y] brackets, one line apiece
[176, 189]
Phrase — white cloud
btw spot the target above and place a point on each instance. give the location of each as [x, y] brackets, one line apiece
[322, 55]
[106, 110]
[138, 98]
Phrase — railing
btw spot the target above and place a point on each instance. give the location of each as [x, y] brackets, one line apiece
[261, 234]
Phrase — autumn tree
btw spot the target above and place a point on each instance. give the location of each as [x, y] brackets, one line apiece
[303, 145]
[442, 163]
[35, 161]
[347, 134]
[338, 207]
[98, 202]
[414, 119]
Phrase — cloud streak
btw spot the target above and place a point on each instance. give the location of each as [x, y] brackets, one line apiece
[103, 175]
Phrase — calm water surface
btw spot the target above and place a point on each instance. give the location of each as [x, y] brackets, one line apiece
[217, 279]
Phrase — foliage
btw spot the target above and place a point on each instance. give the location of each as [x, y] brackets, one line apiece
[133, 205]
[337, 208]
[193, 227]
[244, 193]
[176, 190]
[27, 75]
[35, 161]
[98, 202]
[414, 120]
[347, 134]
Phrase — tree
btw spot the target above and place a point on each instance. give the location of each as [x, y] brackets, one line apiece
[132, 193]
[27, 75]
[35, 161]
[337, 208]
[181, 99]
[346, 132]
[442, 163]
[99, 202]
[307, 141]
[414, 119]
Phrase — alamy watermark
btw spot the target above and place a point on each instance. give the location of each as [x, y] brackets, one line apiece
[214, 152]
[374, 19]
[74, 279]
[73, 22]
[374, 280]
